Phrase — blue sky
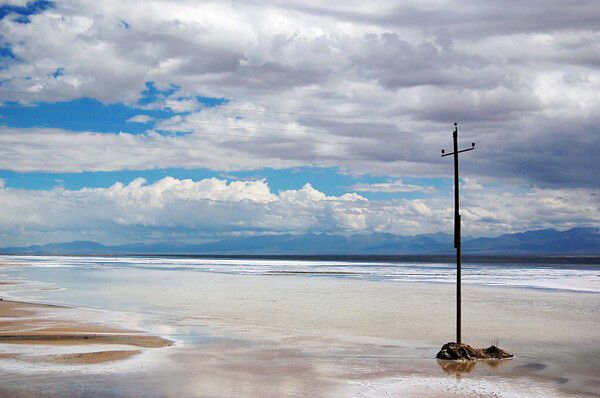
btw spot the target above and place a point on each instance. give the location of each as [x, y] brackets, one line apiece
[90, 115]
[326, 180]
[21, 12]
[201, 120]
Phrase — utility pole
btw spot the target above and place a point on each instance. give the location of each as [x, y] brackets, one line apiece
[457, 224]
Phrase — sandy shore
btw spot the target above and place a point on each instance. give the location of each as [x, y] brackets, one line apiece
[38, 324]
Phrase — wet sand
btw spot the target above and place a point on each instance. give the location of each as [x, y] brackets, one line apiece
[40, 324]
[83, 358]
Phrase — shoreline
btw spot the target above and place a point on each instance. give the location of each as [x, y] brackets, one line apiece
[41, 326]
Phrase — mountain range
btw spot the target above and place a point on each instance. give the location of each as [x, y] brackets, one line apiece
[576, 241]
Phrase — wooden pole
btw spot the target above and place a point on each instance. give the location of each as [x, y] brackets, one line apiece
[457, 244]
[457, 235]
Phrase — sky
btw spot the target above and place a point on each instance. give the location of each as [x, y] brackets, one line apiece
[150, 120]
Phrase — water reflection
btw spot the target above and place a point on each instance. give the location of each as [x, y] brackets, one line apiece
[459, 368]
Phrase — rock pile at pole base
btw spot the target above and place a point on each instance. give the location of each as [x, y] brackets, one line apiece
[461, 351]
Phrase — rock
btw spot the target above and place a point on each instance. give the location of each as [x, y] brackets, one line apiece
[456, 351]
[494, 352]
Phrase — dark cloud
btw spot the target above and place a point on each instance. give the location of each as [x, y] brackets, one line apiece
[273, 76]
[472, 18]
[396, 63]
[557, 155]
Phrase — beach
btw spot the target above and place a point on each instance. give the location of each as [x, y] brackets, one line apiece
[164, 327]
[38, 324]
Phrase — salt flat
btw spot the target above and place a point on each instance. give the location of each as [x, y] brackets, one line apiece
[240, 330]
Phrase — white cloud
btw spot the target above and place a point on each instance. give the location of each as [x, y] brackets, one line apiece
[211, 208]
[18, 3]
[392, 186]
[193, 208]
[140, 119]
[65, 151]
[305, 195]
[471, 184]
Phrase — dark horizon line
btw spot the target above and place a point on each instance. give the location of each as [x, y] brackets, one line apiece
[555, 259]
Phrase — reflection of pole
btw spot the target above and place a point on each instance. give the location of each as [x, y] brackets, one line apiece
[457, 227]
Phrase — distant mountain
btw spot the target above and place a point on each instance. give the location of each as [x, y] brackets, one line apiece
[546, 241]
[75, 247]
[583, 240]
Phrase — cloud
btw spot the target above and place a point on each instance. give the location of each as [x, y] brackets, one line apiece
[66, 151]
[17, 3]
[140, 119]
[393, 186]
[470, 184]
[521, 79]
[213, 208]
[209, 207]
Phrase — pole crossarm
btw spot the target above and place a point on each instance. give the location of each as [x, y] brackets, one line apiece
[461, 151]
[457, 245]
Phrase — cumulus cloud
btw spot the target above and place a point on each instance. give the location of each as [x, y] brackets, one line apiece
[208, 207]
[190, 210]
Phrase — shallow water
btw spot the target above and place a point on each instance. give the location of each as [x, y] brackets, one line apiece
[244, 328]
